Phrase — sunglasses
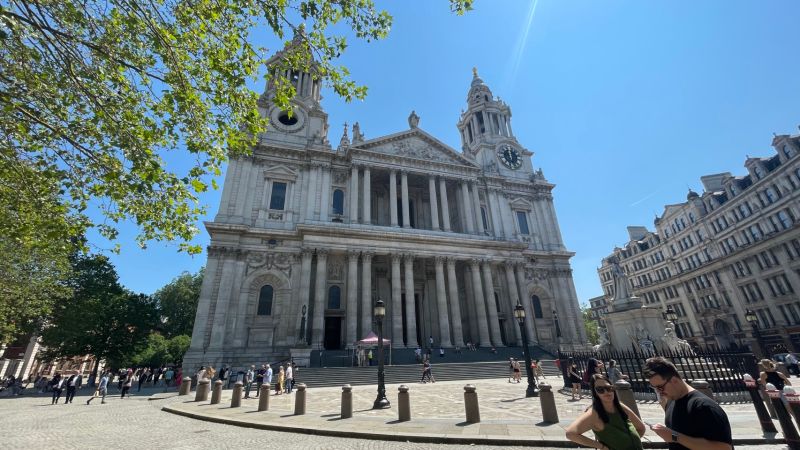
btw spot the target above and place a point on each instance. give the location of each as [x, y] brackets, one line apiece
[603, 389]
[660, 387]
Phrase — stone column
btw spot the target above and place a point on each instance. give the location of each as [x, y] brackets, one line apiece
[497, 220]
[354, 194]
[367, 197]
[404, 194]
[480, 304]
[491, 305]
[319, 297]
[351, 319]
[311, 195]
[467, 204]
[201, 321]
[434, 203]
[513, 295]
[305, 280]
[445, 205]
[574, 296]
[223, 300]
[476, 203]
[541, 226]
[325, 196]
[441, 302]
[455, 306]
[530, 325]
[366, 293]
[393, 197]
[411, 314]
[397, 307]
[551, 209]
[566, 310]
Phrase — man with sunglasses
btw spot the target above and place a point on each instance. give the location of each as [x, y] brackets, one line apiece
[693, 421]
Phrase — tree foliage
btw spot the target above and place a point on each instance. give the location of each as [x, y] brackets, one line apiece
[95, 94]
[177, 304]
[100, 317]
[161, 351]
[590, 324]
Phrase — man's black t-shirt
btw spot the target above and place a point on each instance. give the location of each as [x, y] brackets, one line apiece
[696, 415]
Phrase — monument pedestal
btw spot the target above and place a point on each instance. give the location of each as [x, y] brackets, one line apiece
[301, 356]
[634, 327]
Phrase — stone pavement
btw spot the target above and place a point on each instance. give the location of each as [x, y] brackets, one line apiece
[437, 416]
[31, 422]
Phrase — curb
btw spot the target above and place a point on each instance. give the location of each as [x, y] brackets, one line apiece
[425, 438]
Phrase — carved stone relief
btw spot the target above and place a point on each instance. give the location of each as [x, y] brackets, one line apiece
[271, 260]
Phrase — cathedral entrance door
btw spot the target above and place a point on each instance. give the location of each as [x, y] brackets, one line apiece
[333, 333]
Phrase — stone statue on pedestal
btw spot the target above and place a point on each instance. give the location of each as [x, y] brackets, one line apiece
[673, 342]
[604, 343]
[623, 297]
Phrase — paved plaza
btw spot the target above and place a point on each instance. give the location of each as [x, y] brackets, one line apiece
[437, 413]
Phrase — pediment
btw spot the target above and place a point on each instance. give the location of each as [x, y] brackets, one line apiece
[521, 203]
[415, 144]
[280, 171]
[671, 209]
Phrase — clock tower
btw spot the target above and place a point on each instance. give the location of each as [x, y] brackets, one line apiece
[486, 134]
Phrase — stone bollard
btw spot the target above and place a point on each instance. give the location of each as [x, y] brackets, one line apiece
[347, 402]
[625, 395]
[471, 404]
[763, 392]
[787, 426]
[186, 386]
[236, 395]
[202, 390]
[403, 403]
[263, 399]
[794, 402]
[216, 392]
[300, 400]
[761, 411]
[548, 403]
[704, 387]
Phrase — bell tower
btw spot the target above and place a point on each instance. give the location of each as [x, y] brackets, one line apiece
[486, 133]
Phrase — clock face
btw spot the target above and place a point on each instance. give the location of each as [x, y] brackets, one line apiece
[509, 156]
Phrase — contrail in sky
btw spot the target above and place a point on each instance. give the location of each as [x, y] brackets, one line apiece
[522, 41]
[645, 197]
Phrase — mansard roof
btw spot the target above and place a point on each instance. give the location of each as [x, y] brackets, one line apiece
[415, 144]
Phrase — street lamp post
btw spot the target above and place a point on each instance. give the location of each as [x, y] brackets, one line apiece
[752, 319]
[531, 391]
[379, 312]
[670, 314]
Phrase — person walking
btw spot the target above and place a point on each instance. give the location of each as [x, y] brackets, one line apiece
[72, 386]
[57, 385]
[615, 426]
[260, 378]
[536, 365]
[692, 420]
[427, 372]
[517, 371]
[281, 380]
[575, 381]
[102, 388]
[369, 357]
[268, 376]
[168, 375]
[143, 375]
[126, 385]
[289, 378]
[249, 376]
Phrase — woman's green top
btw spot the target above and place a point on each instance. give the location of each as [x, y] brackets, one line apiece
[619, 434]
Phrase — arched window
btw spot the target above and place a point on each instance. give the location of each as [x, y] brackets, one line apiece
[537, 306]
[334, 297]
[338, 202]
[265, 301]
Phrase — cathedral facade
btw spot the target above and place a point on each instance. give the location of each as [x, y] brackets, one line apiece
[309, 236]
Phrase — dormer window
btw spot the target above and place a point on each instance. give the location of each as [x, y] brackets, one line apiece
[788, 151]
[759, 172]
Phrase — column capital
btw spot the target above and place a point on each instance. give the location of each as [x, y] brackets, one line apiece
[408, 257]
[404, 172]
[353, 254]
[451, 260]
[307, 252]
[439, 260]
[509, 264]
[367, 256]
[322, 252]
[397, 257]
[475, 263]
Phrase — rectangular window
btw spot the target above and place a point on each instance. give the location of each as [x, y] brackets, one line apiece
[277, 200]
[523, 222]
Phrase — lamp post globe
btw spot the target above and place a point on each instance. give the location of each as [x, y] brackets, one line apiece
[752, 319]
[670, 314]
[519, 314]
[379, 311]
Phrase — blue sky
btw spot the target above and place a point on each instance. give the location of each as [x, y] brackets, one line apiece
[625, 104]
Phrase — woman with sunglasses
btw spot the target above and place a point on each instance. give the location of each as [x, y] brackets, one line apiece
[615, 426]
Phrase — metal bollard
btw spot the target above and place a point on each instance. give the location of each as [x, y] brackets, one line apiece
[471, 404]
[763, 416]
[186, 386]
[236, 395]
[548, 403]
[625, 395]
[300, 400]
[216, 392]
[263, 399]
[403, 403]
[347, 402]
[787, 426]
[704, 387]
[202, 390]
